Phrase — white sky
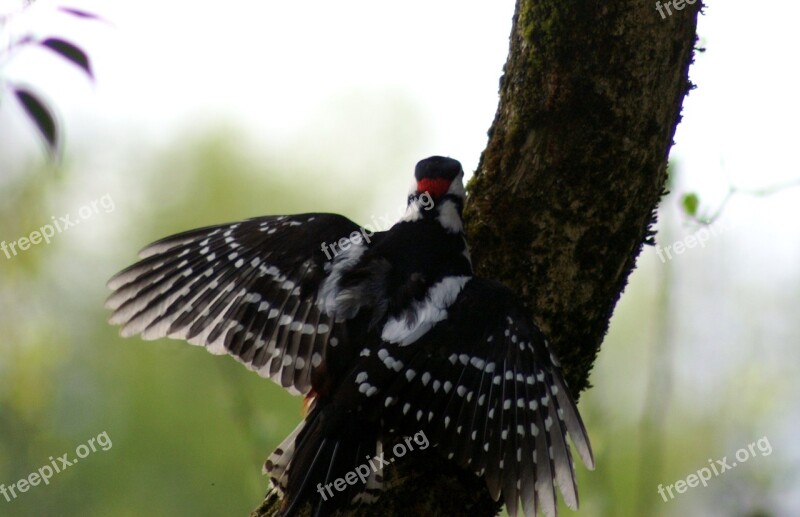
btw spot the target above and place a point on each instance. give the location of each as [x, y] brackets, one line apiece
[165, 68]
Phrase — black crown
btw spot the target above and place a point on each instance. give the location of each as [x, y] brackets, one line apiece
[437, 167]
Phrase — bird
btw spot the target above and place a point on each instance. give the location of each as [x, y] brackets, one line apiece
[386, 334]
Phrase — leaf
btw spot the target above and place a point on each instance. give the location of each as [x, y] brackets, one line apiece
[79, 13]
[69, 51]
[690, 203]
[41, 116]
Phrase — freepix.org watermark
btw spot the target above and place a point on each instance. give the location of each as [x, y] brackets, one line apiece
[678, 5]
[57, 465]
[363, 234]
[59, 225]
[690, 241]
[717, 467]
[362, 472]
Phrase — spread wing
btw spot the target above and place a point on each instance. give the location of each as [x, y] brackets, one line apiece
[484, 387]
[249, 289]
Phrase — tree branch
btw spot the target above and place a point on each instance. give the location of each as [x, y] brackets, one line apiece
[565, 193]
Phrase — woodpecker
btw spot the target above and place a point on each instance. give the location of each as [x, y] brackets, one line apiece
[386, 334]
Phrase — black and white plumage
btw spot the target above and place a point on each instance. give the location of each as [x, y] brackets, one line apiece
[389, 336]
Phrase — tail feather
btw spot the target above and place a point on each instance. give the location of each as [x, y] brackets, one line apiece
[276, 466]
[374, 484]
[324, 461]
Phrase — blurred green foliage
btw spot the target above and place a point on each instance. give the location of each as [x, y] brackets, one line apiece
[190, 430]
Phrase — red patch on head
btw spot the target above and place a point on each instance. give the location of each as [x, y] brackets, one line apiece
[436, 187]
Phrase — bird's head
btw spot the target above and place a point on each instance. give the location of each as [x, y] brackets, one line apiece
[438, 192]
[439, 176]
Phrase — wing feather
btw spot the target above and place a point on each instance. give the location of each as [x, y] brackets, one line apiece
[250, 289]
[503, 410]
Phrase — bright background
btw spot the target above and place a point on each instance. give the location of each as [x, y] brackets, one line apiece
[209, 112]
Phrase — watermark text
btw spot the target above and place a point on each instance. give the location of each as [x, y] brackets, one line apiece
[362, 472]
[60, 224]
[363, 234]
[690, 241]
[56, 466]
[678, 5]
[717, 467]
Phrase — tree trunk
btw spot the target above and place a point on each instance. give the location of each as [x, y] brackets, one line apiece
[565, 193]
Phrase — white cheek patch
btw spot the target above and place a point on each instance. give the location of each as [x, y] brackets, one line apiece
[449, 217]
[423, 314]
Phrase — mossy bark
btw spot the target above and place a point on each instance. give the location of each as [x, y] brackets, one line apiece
[565, 193]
